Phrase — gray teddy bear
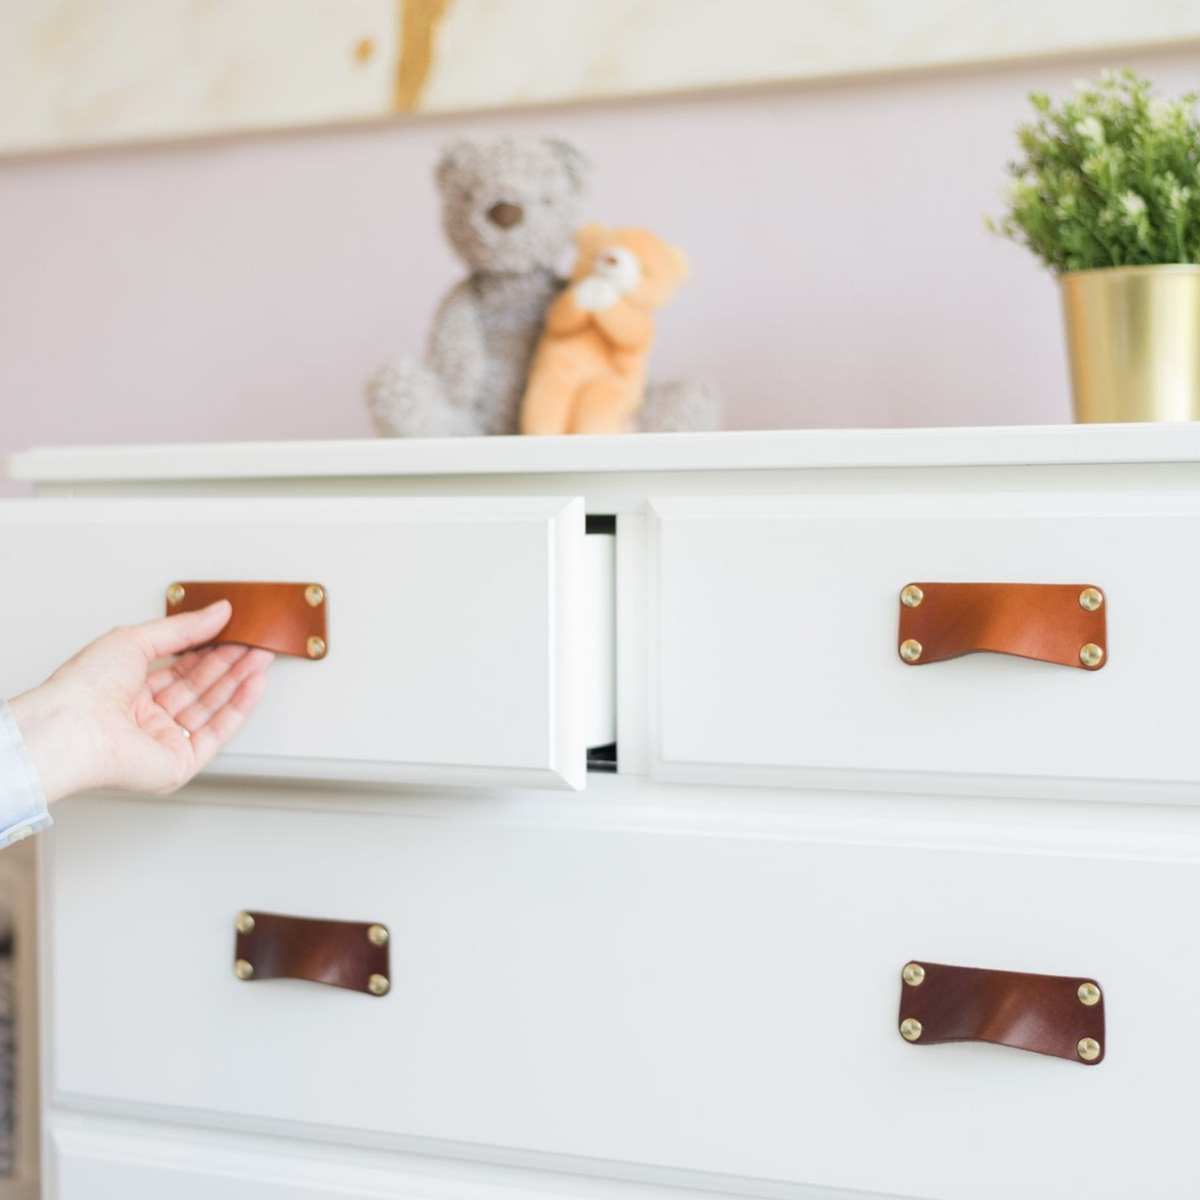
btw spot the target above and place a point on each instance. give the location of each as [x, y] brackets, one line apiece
[510, 210]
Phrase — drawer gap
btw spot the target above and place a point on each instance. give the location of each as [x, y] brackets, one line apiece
[600, 605]
[602, 758]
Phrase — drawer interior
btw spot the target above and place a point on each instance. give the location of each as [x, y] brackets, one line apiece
[600, 639]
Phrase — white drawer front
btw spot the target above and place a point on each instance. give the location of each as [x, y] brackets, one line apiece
[455, 626]
[143, 1172]
[775, 625]
[715, 993]
[92, 1158]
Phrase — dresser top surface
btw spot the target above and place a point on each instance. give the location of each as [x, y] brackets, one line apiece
[746, 451]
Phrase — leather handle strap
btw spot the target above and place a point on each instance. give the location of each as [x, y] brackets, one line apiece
[344, 954]
[1049, 1014]
[289, 618]
[1060, 623]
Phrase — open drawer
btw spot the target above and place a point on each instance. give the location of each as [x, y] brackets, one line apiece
[455, 627]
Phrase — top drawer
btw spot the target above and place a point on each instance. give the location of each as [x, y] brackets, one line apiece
[455, 628]
[776, 623]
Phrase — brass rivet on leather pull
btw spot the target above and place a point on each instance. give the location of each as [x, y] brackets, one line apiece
[316, 647]
[314, 594]
[910, 650]
[378, 935]
[914, 974]
[1091, 599]
[1091, 655]
[378, 985]
[1089, 1049]
[911, 1029]
[911, 596]
[175, 593]
[245, 923]
[243, 970]
[1089, 994]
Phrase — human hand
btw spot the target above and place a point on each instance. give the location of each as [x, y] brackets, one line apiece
[104, 719]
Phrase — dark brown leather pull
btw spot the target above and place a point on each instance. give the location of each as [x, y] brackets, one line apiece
[1054, 622]
[289, 618]
[1048, 1014]
[345, 954]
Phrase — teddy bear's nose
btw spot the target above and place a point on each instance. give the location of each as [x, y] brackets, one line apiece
[505, 215]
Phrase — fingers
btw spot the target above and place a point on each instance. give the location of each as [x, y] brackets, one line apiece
[170, 635]
[164, 676]
[223, 721]
[207, 693]
[223, 682]
[185, 681]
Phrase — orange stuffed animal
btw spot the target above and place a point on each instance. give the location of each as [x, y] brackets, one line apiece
[589, 372]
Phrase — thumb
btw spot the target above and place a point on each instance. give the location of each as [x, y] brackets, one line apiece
[180, 631]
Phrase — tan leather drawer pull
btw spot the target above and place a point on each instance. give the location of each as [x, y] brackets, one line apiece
[345, 954]
[1054, 622]
[1048, 1014]
[289, 618]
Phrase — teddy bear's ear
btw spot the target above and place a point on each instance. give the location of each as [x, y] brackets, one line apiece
[571, 158]
[679, 263]
[453, 158]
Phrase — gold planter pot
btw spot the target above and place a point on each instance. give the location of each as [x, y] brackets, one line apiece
[1133, 337]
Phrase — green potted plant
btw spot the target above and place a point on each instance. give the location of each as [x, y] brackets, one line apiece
[1107, 195]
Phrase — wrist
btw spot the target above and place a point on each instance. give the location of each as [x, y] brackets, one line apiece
[49, 738]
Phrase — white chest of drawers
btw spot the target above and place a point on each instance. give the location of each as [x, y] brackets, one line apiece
[683, 976]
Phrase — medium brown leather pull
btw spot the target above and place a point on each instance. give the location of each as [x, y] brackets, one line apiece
[1053, 622]
[345, 954]
[289, 618]
[1049, 1014]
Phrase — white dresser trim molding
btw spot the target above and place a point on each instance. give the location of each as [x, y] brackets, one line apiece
[1057, 445]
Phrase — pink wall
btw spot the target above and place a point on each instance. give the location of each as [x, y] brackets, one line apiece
[244, 289]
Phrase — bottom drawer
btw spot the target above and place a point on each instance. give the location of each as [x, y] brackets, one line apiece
[102, 1159]
[699, 989]
[150, 1167]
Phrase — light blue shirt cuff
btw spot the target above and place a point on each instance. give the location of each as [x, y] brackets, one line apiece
[22, 801]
